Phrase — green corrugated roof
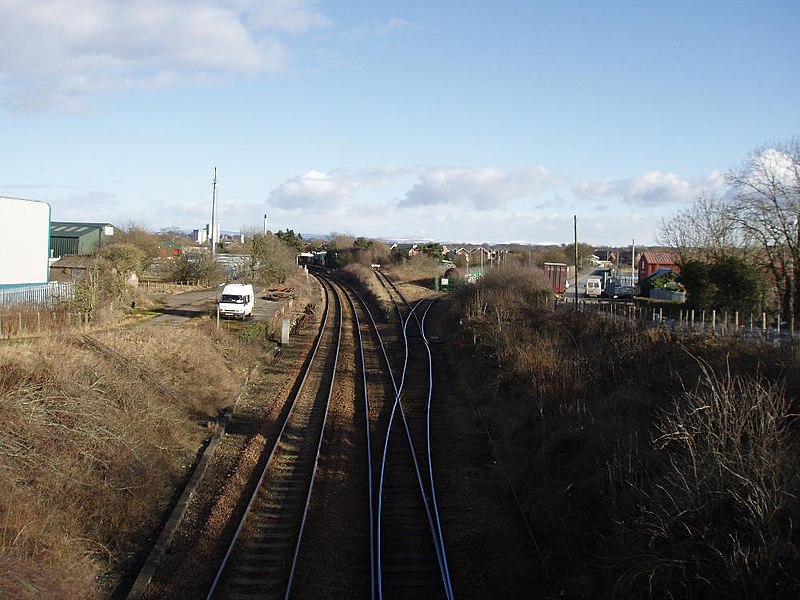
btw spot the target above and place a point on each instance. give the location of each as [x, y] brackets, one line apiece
[64, 229]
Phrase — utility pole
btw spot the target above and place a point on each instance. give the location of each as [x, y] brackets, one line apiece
[214, 215]
[575, 229]
[633, 260]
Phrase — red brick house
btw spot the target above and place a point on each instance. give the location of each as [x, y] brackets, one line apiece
[652, 261]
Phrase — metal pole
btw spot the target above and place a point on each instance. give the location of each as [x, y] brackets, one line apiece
[575, 230]
[214, 215]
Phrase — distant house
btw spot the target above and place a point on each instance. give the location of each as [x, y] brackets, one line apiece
[83, 239]
[652, 261]
[170, 249]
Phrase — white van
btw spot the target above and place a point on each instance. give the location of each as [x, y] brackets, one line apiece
[594, 287]
[237, 301]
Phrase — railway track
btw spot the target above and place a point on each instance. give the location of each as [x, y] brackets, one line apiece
[348, 507]
[412, 559]
[346, 503]
[261, 559]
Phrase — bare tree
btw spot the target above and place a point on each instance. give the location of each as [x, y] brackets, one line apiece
[706, 229]
[766, 209]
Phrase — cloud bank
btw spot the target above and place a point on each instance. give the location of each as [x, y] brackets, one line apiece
[481, 204]
[653, 188]
[58, 52]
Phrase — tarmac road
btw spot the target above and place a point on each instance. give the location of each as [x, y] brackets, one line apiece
[178, 308]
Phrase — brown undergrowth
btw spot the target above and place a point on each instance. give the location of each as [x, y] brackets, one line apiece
[646, 467]
[96, 432]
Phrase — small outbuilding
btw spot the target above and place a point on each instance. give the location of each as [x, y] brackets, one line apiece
[652, 261]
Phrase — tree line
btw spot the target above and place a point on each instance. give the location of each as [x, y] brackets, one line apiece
[740, 249]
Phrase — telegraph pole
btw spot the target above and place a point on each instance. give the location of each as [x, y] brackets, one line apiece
[575, 229]
[214, 215]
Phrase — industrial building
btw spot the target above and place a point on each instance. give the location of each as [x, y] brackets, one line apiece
[25, 232]
[78, 238]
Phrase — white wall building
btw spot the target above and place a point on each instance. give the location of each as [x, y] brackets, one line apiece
[24, 242]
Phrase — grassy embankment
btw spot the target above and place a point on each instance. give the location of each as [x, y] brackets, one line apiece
[99, 429]
[646, 466]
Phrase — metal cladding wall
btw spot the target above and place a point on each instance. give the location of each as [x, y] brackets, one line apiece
[24, 242]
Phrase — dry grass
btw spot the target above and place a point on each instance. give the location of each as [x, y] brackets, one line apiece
[95, 433]
[645, 467]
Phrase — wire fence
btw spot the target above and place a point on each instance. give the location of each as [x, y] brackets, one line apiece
[173, 286]
[771, 327]
[30, 321]
[44, 295]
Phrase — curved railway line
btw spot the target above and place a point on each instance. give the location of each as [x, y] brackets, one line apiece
[401, 542]
[344, 501]
[411, 553]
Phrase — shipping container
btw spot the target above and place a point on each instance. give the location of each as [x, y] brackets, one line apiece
[556, 274]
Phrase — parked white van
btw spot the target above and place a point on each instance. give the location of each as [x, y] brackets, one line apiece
[594, 288]
[237, 301]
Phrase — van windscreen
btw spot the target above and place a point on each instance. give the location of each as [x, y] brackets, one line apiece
[231, 299]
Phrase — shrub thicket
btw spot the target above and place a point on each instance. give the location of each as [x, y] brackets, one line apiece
[645, 466]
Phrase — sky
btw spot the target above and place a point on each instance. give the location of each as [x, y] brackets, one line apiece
[470, 121]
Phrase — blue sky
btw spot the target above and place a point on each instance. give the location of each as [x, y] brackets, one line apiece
[455, 121]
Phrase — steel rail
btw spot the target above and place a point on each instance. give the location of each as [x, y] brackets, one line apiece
[319, 445]
[449, 583]
[345, 289]
[272, 454]
[398, 404]
[377, 529]
[432, 491]
[434, 524]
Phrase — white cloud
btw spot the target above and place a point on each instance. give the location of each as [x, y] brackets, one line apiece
[374, 30]
[313, 189]
[773, 168]
[481, 189]
[330, 191]
[294, 16]
[60, 51]
[653, 188]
